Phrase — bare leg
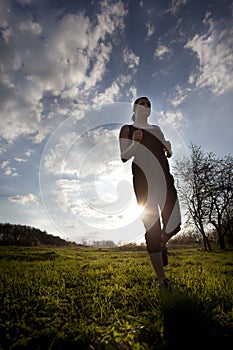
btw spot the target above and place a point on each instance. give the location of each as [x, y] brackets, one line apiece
[152, 224]
[157, 262]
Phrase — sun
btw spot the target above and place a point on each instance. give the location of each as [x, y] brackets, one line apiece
[133, 211]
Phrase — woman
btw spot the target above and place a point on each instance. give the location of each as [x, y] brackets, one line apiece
[153, 184]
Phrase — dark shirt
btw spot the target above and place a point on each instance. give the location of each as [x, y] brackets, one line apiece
[153, 147]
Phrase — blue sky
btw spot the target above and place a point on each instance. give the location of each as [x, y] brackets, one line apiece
[69, 72]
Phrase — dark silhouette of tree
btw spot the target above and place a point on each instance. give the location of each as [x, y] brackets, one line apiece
[190, 173]
[206, 189]
[21, 235]
[219, 187]
[104, 244]
[228, 227]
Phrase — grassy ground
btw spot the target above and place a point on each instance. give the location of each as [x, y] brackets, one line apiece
[105, 299]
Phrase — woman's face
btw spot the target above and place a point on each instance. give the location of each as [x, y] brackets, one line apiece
[143, 108]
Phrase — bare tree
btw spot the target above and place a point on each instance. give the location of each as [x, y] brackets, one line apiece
[191, 174]
[206, 189]
[219, 188]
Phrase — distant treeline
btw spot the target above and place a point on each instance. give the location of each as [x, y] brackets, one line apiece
[22, 235]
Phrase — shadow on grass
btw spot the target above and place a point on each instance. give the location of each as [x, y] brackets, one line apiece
[190, 323]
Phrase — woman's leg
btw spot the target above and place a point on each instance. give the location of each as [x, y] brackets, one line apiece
[157, 263]
[170, 212]
[153, 242]
[151, 220]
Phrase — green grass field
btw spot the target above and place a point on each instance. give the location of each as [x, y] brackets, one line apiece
[78, 298]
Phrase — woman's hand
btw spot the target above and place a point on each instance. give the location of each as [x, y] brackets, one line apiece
[167, 152]
[137, 135]
[129, 146]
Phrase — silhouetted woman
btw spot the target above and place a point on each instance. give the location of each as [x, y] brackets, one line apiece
[153, 183]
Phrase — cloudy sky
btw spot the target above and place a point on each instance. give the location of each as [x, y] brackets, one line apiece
[69, 72]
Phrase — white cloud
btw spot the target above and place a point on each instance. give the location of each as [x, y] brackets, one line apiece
[59, 57]
[20, 160]
[29, 26]
[176, 5]
[80, 155]
[55, 156]
[66, 194]
[130, 58]
[81, 175]
[108, 96]
[41, 134]
[97, 72]
[24, 199]
[175, 119]
[133, 92]
[161, 51]
[214, 52]
[2, 150]
[11, 171]
[97, 202]
[8, 170]
[29, 152]
[179, 96]
[192, 79]
[150, 29]
[4, 164]
[89, 152]
[111, 16]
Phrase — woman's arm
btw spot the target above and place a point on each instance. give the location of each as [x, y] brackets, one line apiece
[128, 147]
[166, 144]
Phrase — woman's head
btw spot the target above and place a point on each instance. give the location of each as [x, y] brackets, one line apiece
[141, 101]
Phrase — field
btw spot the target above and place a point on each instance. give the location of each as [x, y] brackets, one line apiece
[84, 298]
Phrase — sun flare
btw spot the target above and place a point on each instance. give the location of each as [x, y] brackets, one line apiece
[133, 211]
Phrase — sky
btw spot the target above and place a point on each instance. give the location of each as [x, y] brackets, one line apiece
[69, 73]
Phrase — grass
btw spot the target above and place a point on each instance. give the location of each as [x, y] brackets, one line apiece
[80, 298]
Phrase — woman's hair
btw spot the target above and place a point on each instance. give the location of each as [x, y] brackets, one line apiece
[137, 102]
